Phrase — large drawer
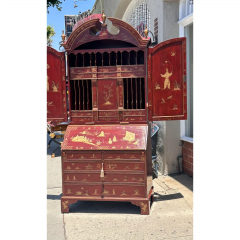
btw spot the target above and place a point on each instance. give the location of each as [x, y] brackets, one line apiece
[107, 165]
[135, 156]
[124, 166]
[110, 177]
[133, 191]
[106, 190]
[82, 190]
[79, 166]
[83, 156]
[120, 177]
[82, 177]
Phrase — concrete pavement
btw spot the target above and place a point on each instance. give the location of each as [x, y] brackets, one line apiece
[171, 214]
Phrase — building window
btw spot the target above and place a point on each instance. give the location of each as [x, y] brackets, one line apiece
[69, 28]
[185, 8]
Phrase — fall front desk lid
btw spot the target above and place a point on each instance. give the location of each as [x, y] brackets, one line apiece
[105, 137]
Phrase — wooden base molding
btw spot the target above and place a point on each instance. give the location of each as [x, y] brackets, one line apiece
[143, 203]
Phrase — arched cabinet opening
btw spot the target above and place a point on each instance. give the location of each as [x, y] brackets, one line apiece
[79, 60]
[99, 59]
[140, 57]
[72, 60]
[133, 59]
[86, 60]
[125, 58]
[93, 59]
[113, 59]
[105, 59]
[119, 58]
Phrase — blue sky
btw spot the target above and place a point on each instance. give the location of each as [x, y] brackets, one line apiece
[55, 18]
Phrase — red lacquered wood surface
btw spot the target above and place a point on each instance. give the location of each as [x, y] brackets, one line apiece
[166, 80]
[56, 86]
[110, 137]
[108, 113]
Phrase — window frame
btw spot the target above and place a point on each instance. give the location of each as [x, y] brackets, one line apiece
[184, 22]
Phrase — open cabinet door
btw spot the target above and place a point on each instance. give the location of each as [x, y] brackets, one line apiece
[56, 86]
[167, 93]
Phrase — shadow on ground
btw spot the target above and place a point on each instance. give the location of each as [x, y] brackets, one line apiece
[104, 207]
[159, 197]
[54, 197]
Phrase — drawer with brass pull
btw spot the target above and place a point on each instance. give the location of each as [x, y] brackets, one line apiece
[105, 177]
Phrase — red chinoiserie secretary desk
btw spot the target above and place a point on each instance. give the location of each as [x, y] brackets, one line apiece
[117, 85]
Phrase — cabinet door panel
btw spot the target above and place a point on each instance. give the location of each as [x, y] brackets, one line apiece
[167, 80]
[56, 86]
[107, 95]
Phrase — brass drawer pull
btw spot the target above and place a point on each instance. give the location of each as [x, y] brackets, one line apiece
[102, 172]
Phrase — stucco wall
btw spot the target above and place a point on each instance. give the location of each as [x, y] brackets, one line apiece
[156, 8]
[112, 8]
[97, 7]
[170, 13]
[173, 147]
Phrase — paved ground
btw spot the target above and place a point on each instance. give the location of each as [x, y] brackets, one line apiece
[171, 214]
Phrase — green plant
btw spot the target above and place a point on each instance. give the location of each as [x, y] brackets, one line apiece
[50, 34]
[54, 3]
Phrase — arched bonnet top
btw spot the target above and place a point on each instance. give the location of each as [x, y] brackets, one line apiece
[127, 33]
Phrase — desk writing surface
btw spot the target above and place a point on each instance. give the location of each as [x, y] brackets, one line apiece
[105, 137]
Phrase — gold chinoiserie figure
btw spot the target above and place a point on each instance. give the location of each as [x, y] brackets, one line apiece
[167, 75]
